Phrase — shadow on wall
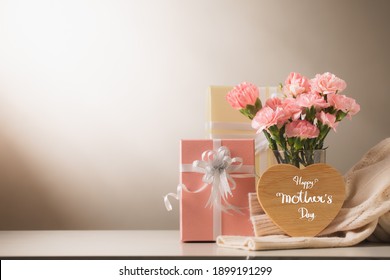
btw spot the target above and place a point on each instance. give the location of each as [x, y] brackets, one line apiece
[24, 203]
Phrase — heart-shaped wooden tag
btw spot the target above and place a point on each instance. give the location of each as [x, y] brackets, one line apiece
[302, 202]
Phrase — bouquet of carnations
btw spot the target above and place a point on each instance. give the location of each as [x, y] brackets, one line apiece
[297, 124]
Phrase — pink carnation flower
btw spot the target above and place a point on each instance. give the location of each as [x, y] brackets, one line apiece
[242, 95]
[344, 103]
[327, 83]
[291, 109]
[273, 102]
[327, 119]
[308, 100]
[295, 84]
[266, 117]
[302, 129]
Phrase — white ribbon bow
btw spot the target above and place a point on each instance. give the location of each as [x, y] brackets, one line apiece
[216, 166]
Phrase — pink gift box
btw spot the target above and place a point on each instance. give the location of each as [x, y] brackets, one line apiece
[200, 223]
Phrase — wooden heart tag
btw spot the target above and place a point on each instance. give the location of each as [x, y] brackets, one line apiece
[302, 202]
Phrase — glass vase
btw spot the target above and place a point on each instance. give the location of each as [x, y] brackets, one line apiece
[299, 158]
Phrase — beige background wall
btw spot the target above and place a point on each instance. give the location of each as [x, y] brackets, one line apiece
[95, 95]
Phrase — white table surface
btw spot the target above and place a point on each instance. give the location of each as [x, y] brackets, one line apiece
[154, 244]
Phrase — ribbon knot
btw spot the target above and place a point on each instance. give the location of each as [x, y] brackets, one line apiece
[217, 166]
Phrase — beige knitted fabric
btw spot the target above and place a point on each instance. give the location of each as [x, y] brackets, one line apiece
[365, 213]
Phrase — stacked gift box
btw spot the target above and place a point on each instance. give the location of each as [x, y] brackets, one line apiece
[218, 173]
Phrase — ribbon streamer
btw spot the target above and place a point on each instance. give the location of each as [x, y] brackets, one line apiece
[261, 143]
[177, 195]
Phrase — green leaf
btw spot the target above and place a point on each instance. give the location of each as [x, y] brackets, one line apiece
[281, 137]
[340, 115]
[258, 105]
[249, 107]
[274, 132]
[272, 143]
[330, 110]
[291, 141]
[246, 113]
[243, 111]
[298, 143]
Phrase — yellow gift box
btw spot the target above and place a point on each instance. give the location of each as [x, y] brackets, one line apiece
[225, 122]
